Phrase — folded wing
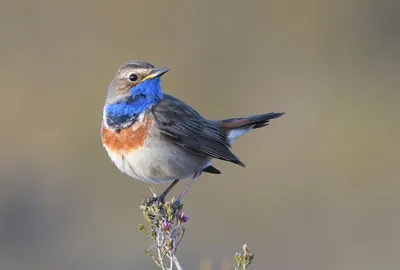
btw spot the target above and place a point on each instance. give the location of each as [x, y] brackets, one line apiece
[185, 127]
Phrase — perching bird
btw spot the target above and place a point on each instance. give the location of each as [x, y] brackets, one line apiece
[156, 138]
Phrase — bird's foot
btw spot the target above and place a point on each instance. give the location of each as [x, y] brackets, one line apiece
[178, 202]
[159, 200]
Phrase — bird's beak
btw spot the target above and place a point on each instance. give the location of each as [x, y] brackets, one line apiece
[156, 73]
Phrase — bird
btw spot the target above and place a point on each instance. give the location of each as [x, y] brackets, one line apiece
[157, 138]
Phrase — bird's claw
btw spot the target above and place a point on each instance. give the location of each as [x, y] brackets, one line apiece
[159, 200]
[178, 202]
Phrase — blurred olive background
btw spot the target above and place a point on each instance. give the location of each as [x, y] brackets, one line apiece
[321, 188]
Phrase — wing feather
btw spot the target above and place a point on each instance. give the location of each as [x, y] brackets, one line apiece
[185, 127]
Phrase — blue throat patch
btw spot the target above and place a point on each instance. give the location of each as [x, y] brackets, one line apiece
[124, 113]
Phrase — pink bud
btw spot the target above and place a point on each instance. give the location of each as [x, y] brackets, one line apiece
[183, 218]
[166, 226]
[245, 249]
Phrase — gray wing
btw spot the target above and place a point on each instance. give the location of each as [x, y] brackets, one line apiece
[185, 127]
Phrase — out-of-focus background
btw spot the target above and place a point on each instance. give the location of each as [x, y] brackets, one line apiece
[321, 188]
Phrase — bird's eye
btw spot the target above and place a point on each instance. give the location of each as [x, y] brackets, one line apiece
[133, 77]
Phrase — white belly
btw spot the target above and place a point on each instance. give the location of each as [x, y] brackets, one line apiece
[159, 162]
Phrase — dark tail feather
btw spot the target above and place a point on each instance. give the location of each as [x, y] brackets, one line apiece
[258, 121]
[212, 170]
[237, 127]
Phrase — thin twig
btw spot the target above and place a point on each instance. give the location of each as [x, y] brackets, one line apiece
[165, 222]
[176, 262]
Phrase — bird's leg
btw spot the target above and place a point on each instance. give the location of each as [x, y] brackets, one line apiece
[167, 190]
[194, 178]
[161, 198]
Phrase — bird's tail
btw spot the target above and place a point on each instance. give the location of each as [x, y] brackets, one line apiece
[237, 127]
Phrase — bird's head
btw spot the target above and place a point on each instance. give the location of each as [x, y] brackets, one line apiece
[135, 88]
[136, 78]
